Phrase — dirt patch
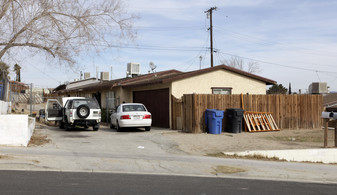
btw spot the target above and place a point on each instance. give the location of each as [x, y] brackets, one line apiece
[35, 161]
[309, 136]
[5, 157]
[220, 169]
[203, 144]
[38, 139]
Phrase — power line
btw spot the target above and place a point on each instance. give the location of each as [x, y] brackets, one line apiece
[277, 64]
[262, 42]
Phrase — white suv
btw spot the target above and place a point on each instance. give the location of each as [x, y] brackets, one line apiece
[76, 111]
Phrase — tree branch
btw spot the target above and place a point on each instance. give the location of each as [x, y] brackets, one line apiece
[28, 45]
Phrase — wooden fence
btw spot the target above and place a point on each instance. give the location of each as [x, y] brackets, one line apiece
[289, 111]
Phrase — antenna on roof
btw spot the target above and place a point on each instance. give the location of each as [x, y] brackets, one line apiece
[152, 66]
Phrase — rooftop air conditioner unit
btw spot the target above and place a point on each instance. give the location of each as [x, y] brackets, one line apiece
[86, 75]
[104, 76]
[133, 69]
[318, 88]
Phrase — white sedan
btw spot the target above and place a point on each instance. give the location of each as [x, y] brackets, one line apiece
[131, 115]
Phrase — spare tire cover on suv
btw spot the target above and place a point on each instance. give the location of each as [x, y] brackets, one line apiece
[83, 111]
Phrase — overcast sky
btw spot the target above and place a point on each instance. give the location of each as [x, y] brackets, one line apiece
[292, 41]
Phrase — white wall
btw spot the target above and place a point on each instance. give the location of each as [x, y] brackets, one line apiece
[4, 107]
[16, 130]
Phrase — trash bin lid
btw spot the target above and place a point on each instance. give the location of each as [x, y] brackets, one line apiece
[235, 111]
[219, 113]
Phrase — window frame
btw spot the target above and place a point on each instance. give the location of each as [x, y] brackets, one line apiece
[222, 88]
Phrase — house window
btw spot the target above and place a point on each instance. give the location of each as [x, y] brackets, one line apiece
[222, 90]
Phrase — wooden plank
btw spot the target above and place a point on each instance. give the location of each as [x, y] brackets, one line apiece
[252, 122]
[195, 115]
[295, 114]
[270, 121]
[274, 123]
[247, 122]
[256, 122]
[261, 122]
[266, 122]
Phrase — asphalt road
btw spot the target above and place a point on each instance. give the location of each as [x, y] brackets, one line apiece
[25, 182]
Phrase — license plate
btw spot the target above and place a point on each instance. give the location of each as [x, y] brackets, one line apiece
[136, 117]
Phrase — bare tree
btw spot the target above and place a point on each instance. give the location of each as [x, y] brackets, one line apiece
[239, 63]
[63, 28]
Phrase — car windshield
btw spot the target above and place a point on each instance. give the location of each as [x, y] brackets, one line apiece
[92, 103]
[131, 108]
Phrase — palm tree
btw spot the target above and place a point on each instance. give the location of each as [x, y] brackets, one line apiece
[17, 70]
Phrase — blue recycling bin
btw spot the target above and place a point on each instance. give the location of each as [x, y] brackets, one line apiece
[213, 120]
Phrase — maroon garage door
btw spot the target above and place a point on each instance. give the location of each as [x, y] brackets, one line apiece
[157, 102]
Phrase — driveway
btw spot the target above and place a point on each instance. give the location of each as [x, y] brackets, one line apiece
[159, 151]
[106, 140]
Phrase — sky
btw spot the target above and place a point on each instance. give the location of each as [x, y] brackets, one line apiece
[293, 41]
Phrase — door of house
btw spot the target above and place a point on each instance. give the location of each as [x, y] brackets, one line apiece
[157, 102]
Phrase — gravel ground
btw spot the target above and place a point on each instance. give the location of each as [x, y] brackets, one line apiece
[177, 142]
[203, 144]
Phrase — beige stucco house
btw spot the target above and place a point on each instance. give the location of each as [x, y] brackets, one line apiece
[155, 90]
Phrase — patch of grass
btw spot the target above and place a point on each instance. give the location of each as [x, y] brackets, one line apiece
[254, 157]
[38, 140]
[226, 170]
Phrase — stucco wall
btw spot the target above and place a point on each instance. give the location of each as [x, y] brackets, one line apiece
[203, 83]
[16, 130]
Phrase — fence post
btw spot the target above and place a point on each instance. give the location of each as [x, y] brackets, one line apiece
[326, 125]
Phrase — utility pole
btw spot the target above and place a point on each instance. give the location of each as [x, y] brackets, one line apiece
[209, 12]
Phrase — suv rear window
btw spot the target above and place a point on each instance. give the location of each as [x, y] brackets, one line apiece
[92, 103]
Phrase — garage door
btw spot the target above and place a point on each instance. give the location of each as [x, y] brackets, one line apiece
[157, 102]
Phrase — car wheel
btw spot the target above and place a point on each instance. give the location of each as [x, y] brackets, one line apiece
[67, 127]
[95, 128]
[118, 128]
[61, 125]
[147, 128]
[83, 111]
